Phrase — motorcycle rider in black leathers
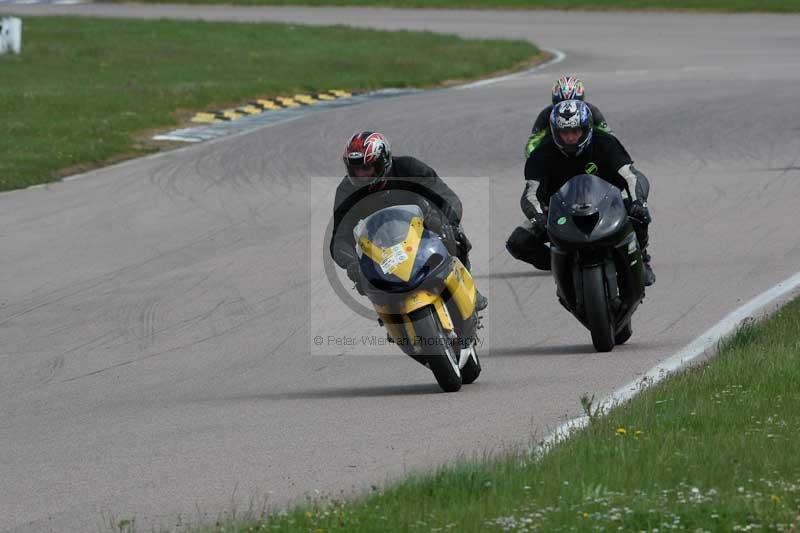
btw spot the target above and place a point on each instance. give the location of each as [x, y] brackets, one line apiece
[575, 148]
[565, 88]
[375, 180]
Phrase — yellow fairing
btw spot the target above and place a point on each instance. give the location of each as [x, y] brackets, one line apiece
[409, 304]
[410, 247]
[462, 289]
[459, 283]
[444, 315]
[396, 330]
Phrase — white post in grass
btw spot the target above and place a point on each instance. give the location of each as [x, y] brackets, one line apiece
[10, 35]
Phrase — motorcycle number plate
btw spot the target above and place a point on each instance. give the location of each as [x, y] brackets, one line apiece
[392, 258]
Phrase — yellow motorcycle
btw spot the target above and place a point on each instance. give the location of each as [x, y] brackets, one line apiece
[424, 296]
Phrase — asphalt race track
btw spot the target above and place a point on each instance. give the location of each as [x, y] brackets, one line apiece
[157, 317]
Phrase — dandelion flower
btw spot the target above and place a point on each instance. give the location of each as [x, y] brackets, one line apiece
[621, 431]
[775, 498]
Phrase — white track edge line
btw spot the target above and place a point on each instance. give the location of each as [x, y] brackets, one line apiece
[150, 157]
[559, 56]
[706, 343]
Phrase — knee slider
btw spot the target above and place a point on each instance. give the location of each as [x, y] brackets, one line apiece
[524, 246]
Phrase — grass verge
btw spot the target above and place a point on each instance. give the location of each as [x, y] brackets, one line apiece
[775, 6]
[714, 448]
[82, 88]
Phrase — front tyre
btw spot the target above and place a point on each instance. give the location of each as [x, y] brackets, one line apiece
[596, 307]
[436, 348]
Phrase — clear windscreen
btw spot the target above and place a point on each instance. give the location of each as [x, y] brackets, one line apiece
[388, 226]
[585, 190]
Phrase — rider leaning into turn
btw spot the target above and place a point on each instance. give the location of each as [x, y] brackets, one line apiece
[375, 180]
[565, 88]
[576, 148]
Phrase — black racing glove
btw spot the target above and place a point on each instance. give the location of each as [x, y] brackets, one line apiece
[449, 236]
[640, 212]
[539, 223]
[436, 223]
[354, 273]
[432, 218]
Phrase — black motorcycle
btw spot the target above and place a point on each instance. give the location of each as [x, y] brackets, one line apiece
[595, 258]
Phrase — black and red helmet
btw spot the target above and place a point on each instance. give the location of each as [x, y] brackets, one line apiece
[367, 158]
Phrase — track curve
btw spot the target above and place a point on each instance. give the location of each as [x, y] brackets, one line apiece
[156, 317]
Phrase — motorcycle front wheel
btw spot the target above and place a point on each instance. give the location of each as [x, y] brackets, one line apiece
[436, 349]
[596, 307]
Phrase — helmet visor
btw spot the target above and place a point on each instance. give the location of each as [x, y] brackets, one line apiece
[361, 173]
[572, 141]
[571, 136]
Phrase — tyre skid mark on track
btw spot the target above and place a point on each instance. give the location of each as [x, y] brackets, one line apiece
[57, 363]
[198, 318]
[516, 299]
[162, 352]
[35, 307]
[109, 276]
[203, 316]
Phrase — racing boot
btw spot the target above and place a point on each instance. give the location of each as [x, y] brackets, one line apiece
[481, 302]
[649, 275]
[642, 235]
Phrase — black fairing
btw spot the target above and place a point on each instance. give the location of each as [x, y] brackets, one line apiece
[588, 225]
[586, 210]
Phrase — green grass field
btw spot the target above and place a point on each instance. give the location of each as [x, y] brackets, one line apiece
[777, 6]
[82, 89]
[712, 449]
